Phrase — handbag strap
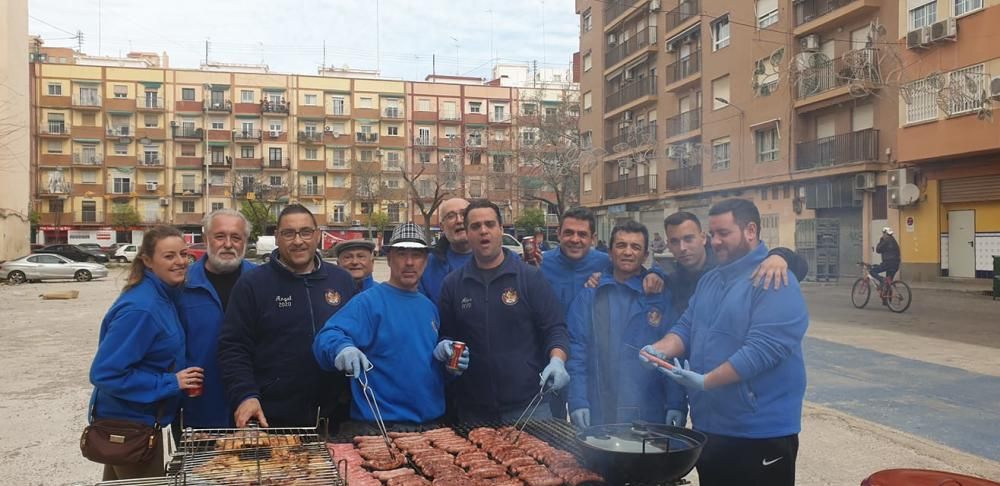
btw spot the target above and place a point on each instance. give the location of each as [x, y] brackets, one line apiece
[159, 409]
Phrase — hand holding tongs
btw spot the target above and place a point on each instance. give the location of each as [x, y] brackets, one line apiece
[530, 410]
[369, 394]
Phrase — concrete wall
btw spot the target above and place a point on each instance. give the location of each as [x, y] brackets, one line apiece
[15, 130]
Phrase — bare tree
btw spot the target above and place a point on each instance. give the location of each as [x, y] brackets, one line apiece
[426, 191]
[368, 188]
[259, 200]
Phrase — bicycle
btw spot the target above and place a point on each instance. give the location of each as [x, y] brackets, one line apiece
[894, 293]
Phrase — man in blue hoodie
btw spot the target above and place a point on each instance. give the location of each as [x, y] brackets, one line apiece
[745, 373]
[606, 324]
[452, 250]
[202, 306]
[265, 345]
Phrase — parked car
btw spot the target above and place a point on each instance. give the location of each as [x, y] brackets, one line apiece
[511, 243]
[195, 251]
[94, 247]
[48, 266]
[265, 245]
[126, 253]
[75, 253]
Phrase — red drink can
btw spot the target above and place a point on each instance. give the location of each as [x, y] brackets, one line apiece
[457, 347]
[195, 392]
[528, 242]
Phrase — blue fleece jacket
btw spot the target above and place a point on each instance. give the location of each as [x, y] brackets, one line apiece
[366, 284]
[440, 263]
[397, 330]
[759, 332]
[201, 315]
[510, 325]
[265, 344]
[139, 351]
[568, 276]
[602, 375]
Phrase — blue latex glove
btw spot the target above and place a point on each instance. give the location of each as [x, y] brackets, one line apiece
[556, 372]
[676, 418]
[653, 351]
[351, 360]
[686, 377]
[580, 418]
[443, 353]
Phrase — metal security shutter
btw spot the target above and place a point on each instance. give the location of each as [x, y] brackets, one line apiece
[970, 189]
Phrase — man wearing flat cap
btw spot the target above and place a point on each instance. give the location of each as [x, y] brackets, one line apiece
[357, 257]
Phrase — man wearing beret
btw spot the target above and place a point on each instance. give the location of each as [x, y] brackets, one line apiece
[358, 258]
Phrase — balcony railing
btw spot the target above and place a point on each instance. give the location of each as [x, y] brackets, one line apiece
[450, 116]
[120, 132]
[55, 129]
[311, 190]
[83, 159]
[188, 189]
[368, 138]
[91, 101]
[614, 8]
[55, 187]
[219, 106]
[88, 217]
[683, 123]
[277, 163]
[625, 48]
[188, 132]
[475, 142]
[424, 141]
[631, 91]
[684, 177]
[311, 136]
[859, 146]
[394, 113]
[499, 117]
[150, 161]
[853, 66]
[632, 186]
[268, 106]
[150, 103]
[220, 161]
[632, 138]
[246, 135]
[683, 11]
[807, 10]
[684, 67]
[339, 111]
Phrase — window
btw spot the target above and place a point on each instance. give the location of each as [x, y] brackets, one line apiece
[587, 22]
[151, 121]
[217, 179]
[587, 139]
[56, 206]
[963, 7]
[246, 96]
[89, 211]
[529, 109]
[54, 147]
[337, 104]
[311, 100]
[588, 184]
[424, 157]
[922, 105]
[218, 124]
[338, 213]
[275, 125]
[528, 137]
[339, 157]
[366, 102]
[88, 119]
[923, 15]
[122, 185]
[392, 159]
[392, 183]
[423, 105]
[55, 89]
[246, 151]
[767, 144]
[187, 94]
[57, 123]
[339, 181]
[121, 149]
[187, 206]
[121, 91]
[393, 131]
[475, 189]
[767, 13]
[499, 112]
[587, 101]
[274, 154]
[475, 107]
[499, 163]
[424, 190]
[218, 205]
[312, 154]
[275, 181]
[720, 33]
[476, 158]
[366, 155]
[89, 177]
[720, 154]
[969, 83]
[550, 112]
[720, 89]
[187, 150]
[766, 75]
[366, 207]
[450, 131]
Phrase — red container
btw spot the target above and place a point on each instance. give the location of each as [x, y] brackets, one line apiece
[457, 348]
[195, 392]
[530, 249]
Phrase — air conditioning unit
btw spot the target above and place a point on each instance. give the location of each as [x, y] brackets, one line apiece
[677, 151]
[164, 201]
[864, 181]
[612, 39]
[152, 186]
[356, 222]
[671, 47]
[995, 88]
[919, 38]
[328, 129]
[901, 190]
[809, 43]
[628, 116]
[946, 29]
[654, 6]
[275, 134]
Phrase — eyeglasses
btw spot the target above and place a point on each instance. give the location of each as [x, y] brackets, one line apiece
[289, 234]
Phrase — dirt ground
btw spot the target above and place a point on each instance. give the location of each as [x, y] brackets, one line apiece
[46, 348]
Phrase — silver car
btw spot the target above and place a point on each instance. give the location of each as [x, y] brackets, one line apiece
[46, 266]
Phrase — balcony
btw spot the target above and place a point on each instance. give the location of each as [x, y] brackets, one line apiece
[684, 178]
[54, 188]
[150, 104]
[274, 107]
[87, 159]
[311, 137]
[500, 118]
[475, 143]
[149, 162]
[219, 161]
[392, 113]
[424, 142]
[846, 148]
[87, 102]
[680, 14]
[683, 68]
[450, 117]
[632, 186]
[224, 106]
[88, 217]
[630, 92]
[54, 130]
[188, 189]
[614, 8]
[815, 15]
[627, 47]
[857, 66]
[339, 112]
[311, 190]
[246, 136]
[632, 139]
[120, 132]
[188, 133]
[278, 164]
[366, 138]
[685, 122]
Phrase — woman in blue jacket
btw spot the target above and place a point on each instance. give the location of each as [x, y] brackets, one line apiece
[139, 370]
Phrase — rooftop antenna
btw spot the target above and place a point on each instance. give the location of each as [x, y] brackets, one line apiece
[79, 41]
[378, 50]
[99, 4]
[324, 53]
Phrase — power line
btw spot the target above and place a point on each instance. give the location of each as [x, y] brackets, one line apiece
[50, 25]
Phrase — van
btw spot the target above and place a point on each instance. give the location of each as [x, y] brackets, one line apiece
[265, 245]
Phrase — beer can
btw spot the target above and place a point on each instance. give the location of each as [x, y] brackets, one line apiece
[457, 347]
[195, 392]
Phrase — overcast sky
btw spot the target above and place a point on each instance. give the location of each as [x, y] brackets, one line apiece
[288, 36]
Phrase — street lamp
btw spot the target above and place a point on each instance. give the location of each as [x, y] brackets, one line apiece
[727, 103]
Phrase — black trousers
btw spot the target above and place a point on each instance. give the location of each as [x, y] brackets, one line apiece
[729, 461]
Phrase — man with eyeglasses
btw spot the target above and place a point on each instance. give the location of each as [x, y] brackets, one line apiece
[451, 251]
[276, 309]
[202, 305]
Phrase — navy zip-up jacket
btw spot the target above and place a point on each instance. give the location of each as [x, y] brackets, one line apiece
[510, 324]
[201, 315]
[265, 345]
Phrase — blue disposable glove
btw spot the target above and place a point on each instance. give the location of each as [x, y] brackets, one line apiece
[686, 377]
[676, 418]
[655, 352]
[351, 360]
[580, 418]
[443, 353]
[556, 372]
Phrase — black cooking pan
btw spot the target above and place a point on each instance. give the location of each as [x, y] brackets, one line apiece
[640, 452]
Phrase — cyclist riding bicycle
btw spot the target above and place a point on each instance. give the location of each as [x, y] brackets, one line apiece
[889, 249]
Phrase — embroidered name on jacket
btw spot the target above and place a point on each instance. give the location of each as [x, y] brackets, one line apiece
[283, 302]
[466, 303]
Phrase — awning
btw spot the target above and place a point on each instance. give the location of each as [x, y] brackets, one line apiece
[244, 115]
[86, 140]
[218, 144]
[119, 112]
[151, 84]
[274, 90]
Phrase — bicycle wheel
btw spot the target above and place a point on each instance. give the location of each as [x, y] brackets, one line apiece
[861, 292]
[899, 297]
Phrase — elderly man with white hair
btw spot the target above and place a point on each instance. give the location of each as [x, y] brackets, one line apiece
[202, 307]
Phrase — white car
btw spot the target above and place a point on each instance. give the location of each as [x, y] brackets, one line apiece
[511, 243]
[126, 253]
[48, 266]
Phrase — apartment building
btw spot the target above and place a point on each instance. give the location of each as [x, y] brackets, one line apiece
[15, 140]
[948, 189]
[777, 101]
[173, 144]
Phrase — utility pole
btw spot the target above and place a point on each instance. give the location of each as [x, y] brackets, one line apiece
[206, 51]
[378, 38]
[79, 41]
[324, 55]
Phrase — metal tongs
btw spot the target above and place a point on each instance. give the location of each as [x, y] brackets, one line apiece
[369, 394]
[529, 410]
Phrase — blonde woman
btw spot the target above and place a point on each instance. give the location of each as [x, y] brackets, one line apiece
[139, 370]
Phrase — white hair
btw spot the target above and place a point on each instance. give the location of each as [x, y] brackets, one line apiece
[206, 222]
